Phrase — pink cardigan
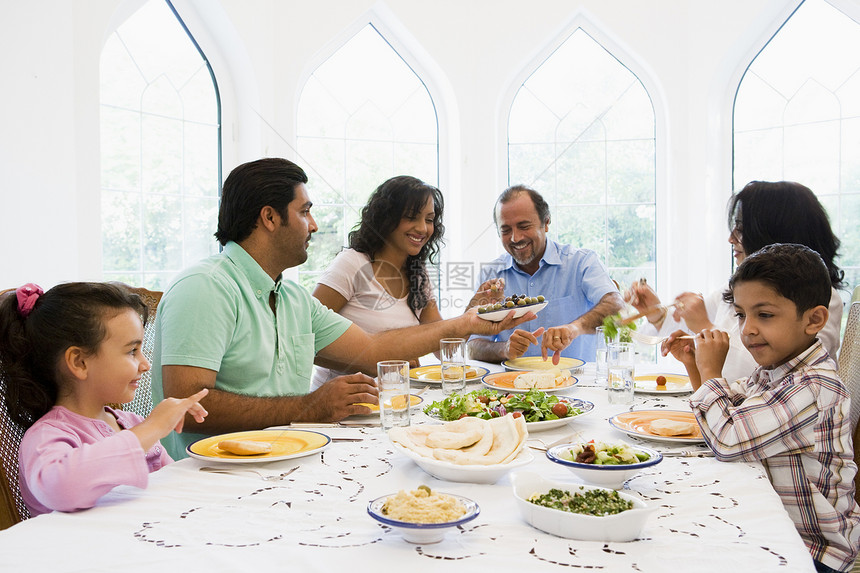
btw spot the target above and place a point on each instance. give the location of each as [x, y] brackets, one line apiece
[67, 461]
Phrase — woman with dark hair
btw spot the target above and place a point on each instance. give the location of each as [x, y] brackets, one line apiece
[760, 214]
[381, 282]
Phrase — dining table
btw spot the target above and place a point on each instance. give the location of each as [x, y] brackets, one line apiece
[310, 513]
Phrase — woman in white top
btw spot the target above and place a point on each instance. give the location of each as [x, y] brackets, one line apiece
[761, 214]
[380, 282]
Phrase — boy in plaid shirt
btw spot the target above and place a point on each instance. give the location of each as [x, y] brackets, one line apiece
[792, 412]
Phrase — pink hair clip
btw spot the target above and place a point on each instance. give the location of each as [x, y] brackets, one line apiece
[27, 297]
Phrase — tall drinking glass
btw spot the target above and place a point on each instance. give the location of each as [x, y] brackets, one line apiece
[393, 380]
[600, 356]
[620, 358]
[452, 351]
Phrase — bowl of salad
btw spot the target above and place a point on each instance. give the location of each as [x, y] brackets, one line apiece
[578, 511]
[604, 464]
[541, 410]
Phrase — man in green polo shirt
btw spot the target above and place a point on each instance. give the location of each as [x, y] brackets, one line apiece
[231, 324]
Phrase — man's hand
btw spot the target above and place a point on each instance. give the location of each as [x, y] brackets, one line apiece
[520, 341]
[558, 338]
[338, 398]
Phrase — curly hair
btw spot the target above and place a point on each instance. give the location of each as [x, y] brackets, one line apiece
[768, 212]
[401, 196]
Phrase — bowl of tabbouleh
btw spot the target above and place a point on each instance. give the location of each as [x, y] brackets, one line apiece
[422, 515]
[575, 511]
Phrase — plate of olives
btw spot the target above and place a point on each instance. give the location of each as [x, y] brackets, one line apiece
[520, 304]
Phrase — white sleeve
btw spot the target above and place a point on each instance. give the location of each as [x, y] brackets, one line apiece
[341, 273]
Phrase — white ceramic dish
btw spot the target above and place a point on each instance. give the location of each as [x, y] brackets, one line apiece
[499, 315]
[604, 476]
[636, 424]
[466, 473]
[624, 526]
[422, 533]
[504, 382]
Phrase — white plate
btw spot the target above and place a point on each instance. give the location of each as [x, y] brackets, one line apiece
[499, 315]
[525, 363]
[466, 473]
[422, 532]
[624, 526]
[432, 374]
[504, 382]
[634, 424]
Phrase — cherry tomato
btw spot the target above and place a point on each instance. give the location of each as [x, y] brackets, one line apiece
[560, 409]
[517, 414]
[484, 399]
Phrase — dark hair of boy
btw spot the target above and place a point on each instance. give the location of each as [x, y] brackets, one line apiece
[795, 272]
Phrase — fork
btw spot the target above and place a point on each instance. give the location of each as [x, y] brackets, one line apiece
[237, 471]
[654, 338]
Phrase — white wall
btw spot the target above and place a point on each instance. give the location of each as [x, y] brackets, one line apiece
[689, 54]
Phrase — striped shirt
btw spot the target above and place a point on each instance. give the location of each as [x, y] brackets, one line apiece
[794, 419]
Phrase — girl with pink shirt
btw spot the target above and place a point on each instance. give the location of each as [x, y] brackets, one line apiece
[64, 355]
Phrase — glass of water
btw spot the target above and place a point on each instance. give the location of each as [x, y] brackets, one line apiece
[452, 351]
[600, 355]
[393, 384]
[620, 358]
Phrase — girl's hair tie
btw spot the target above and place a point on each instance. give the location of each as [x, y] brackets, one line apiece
[27, 297]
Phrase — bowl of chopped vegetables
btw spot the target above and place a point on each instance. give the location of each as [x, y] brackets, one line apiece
[604, 464]
[541, 410]
[577, 511]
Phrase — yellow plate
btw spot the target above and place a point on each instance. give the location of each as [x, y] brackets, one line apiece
[504, 382]
[414, 401]
[538, 363]
[638, 424]
[675, 384]
[286, 444]
[432, 374]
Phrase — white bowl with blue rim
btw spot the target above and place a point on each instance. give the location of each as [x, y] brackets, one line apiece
[423, 533]
[612, 476]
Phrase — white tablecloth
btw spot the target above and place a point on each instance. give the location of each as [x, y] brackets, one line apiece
[710, 516]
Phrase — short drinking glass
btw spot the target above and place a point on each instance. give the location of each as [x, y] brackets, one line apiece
[600, 354]
[452, 351]
[393, 377]
[620, 357]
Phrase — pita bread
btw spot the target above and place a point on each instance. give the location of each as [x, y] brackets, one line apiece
[664, 427]
[488, 442]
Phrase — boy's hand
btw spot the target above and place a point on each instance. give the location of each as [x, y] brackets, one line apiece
[684, 350]
[712, 346]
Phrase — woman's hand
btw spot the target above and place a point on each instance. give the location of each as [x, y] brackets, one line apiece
[642, 297]
[490, 291]
[690, 307]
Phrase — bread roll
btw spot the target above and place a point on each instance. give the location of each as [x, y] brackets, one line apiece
[245, 447]
[664, 427]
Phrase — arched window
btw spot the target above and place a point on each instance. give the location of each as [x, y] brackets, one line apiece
[363, 116]
[160, 149]
[797, 117]
[582, 133]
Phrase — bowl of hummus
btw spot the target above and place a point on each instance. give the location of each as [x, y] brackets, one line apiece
[422, 515]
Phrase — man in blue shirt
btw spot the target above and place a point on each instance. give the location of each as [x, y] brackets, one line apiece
[574, 281]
